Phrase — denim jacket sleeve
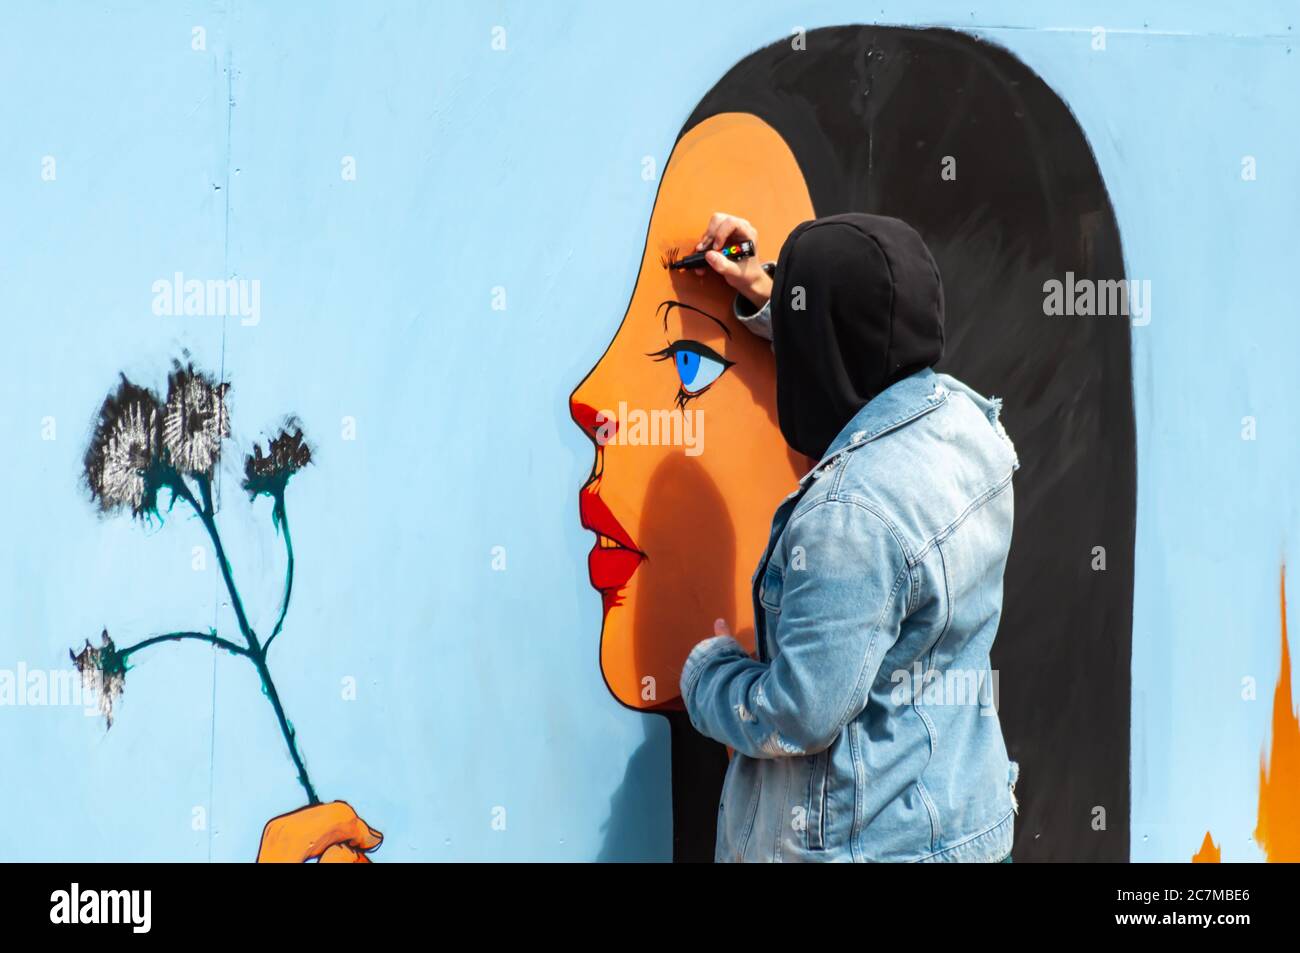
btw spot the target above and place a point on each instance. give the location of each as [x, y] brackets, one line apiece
[839, 615]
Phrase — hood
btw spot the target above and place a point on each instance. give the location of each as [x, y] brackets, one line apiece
[857, 305]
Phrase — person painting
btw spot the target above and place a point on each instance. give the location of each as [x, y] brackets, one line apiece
[865, 728]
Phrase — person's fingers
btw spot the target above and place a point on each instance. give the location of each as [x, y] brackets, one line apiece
[722, 264]
[720, 627]
[343, 854]
[722, 234]
[734, 229]
[310, 831]
[715, 222]
[721, 227]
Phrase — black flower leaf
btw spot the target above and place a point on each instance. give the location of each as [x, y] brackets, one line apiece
[103, 673]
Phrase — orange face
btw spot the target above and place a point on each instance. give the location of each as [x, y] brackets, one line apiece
[690, 462]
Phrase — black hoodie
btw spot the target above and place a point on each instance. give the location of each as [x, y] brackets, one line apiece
[857, 305]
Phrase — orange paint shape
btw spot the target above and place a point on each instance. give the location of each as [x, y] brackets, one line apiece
[1278, 828]
[1208, 854]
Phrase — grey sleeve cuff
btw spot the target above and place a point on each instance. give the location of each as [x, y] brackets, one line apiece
[757, 320]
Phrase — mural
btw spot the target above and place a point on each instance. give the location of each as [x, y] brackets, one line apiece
[144, 447]
[845, 125]
[530, 464]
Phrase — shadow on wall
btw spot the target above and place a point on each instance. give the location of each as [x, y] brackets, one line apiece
[630, 832]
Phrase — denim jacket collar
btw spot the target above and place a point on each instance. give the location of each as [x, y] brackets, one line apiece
[898, 404]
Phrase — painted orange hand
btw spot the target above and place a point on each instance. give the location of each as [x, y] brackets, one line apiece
[343, 854]
[332, 832]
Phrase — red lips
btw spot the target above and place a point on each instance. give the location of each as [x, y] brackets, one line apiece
[615, 557]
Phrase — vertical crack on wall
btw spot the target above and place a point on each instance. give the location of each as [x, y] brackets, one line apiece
[221, 376]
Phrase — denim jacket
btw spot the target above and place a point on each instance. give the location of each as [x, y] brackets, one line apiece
[866, 728]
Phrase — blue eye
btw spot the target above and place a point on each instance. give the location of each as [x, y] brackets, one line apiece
[698, 365]
[697, 371]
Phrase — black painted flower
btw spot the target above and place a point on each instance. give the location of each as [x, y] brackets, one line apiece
[103, 673]
[195, 420]
[122, 460]
[287, 453]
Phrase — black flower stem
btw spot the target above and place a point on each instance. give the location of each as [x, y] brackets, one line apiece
[206, 514]
[256, 652]
[286, 729]
[210, 637]
[280, 516]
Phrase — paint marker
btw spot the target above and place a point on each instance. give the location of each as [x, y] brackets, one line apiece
[733, 252]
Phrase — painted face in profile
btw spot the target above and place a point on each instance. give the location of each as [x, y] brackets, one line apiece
[690, 463]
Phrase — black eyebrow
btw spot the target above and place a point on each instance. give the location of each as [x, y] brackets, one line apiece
[667, 306]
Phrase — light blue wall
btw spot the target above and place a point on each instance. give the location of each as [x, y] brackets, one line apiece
[476, 168]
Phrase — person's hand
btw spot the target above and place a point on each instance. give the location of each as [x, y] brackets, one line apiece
[722, 630]
[332, 832]
[747, 275]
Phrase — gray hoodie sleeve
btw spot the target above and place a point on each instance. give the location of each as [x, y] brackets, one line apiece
[757, 320]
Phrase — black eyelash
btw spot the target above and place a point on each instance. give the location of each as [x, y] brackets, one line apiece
[670, 257]
[685, 344]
